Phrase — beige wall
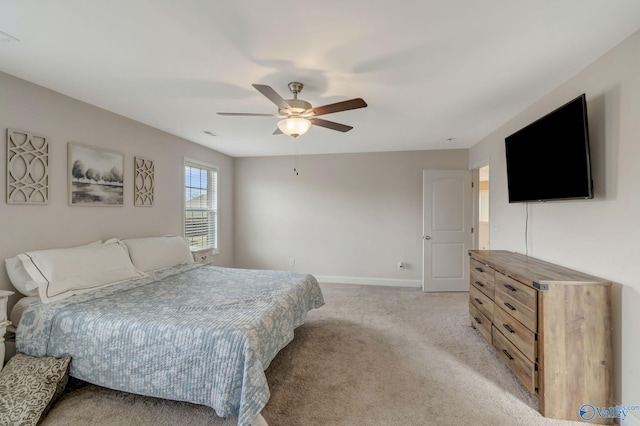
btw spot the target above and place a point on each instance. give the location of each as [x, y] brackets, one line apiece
[597, 236]
[31, 108]
[350, 216]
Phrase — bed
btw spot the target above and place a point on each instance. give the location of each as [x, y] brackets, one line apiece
[188, 332]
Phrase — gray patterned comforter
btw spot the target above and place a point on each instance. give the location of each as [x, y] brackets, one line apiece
[201, 334]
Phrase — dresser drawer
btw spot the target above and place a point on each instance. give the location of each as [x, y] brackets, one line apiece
[204, 256]
[482, 272]
[517, 310]
[480, 280]
[524, 294]
[482, 302]
[480, 322]
[519, 365]
[523, 338]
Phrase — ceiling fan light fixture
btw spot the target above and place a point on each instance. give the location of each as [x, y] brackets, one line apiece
[294, 126]
[298, 115]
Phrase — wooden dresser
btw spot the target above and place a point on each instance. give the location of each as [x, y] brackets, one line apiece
[550, 325]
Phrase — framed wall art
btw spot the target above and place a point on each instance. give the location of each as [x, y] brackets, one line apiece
[96, 176]
[143, 182]
[27, 168]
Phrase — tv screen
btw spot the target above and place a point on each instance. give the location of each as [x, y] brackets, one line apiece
[549, 158]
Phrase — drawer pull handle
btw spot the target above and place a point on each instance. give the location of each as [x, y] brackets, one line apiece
[508, 287]
[479, 284]
[479, 269]
[508, 305]
[509, 329]
[477, 320]
[504, 351]
[478, 300]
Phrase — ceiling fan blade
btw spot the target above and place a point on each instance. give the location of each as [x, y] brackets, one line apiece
[330, 124]
[251, 114]
[339, 106]
[272, 95]
[277, 132]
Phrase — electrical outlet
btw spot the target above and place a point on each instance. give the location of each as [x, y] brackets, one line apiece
[292, 261]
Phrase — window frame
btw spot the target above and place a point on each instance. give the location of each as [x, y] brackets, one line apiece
[212, 168]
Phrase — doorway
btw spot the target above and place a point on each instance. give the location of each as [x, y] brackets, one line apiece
[483, 240]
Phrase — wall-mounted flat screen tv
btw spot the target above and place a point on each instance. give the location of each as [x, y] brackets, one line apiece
[549, 159]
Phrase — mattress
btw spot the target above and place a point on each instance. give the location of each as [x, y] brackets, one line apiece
[195, 333]
[19, 308]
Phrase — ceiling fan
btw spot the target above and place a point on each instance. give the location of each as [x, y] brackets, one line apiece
[298, 115]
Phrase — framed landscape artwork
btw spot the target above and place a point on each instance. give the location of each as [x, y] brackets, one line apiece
[95, 176]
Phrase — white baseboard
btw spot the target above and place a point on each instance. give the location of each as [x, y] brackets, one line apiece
[389, 282]
[632, 419]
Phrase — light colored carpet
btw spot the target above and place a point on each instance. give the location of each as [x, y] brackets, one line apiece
[370, 356]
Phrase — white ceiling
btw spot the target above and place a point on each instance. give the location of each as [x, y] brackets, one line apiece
[429, 69]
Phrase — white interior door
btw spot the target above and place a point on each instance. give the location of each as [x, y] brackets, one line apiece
[447, 222]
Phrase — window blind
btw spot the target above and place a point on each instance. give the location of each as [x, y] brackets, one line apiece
[201, 205]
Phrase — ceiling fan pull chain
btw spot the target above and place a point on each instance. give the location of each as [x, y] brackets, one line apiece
[295, 160]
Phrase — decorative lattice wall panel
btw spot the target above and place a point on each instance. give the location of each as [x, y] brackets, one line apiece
[144, 182]
[27, 168]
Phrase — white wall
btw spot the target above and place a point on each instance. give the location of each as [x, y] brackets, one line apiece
[27, 107]
[598, 236]
[351, 216]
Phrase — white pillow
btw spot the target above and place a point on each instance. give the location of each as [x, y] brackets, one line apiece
[148, 254]
[61, 273]
[19, 277]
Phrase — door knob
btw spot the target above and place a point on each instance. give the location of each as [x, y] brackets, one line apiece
[426, 237]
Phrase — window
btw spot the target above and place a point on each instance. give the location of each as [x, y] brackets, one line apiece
[201, 205]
